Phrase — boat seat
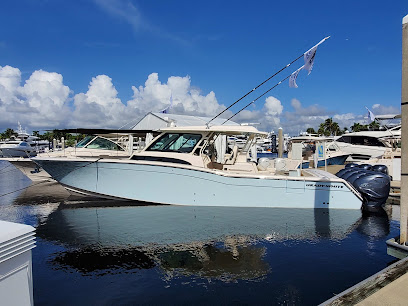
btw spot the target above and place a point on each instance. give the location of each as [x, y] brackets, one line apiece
[230, 160]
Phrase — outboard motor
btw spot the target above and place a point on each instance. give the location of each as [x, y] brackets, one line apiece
[365, 166]
[351, 165]
[375, 188]
[372, 182]
[380, 168]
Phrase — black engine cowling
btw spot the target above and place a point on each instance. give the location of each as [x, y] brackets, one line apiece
[372, 182]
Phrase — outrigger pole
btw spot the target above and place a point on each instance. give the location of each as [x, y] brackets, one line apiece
[300, 56]
[253, 101]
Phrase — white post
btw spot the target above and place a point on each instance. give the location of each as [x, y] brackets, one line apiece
[404, 134]
[280, 144]
[63, 144]
[130, 144]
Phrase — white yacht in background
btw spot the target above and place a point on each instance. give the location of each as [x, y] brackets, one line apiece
[17, 148]
[22, 145]
[192, 166]
[366, 145]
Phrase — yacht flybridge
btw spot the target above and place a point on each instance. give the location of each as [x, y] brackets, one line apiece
[195, 166]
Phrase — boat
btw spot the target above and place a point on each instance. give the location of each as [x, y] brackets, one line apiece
[15, 147]
[22, 145]
[318, 151]
[108, 143]
[366, 145]
[193, 166]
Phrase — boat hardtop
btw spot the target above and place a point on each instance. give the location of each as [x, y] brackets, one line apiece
[225, 129]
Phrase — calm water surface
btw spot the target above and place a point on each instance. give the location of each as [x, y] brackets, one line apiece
[106, 252]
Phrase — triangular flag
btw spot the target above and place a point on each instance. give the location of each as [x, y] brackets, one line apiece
[293, 77]
[309, 56]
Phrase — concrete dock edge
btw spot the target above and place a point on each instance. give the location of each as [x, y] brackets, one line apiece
[371, 285]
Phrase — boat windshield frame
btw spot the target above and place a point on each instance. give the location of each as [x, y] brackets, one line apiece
[85, 141]
[99, 143]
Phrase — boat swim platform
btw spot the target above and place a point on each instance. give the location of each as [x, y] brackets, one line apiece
[387, 287]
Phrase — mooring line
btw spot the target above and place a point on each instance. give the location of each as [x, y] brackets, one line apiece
[1, 172]
[31, 185]
[9, 164]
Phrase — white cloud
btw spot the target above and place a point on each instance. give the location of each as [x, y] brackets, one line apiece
[99, 106]
[43, 101]
[39, 103]
[10, 79]
[128, 12]
[156, 96]
[273, 106]
[124, 10]
[379, 109]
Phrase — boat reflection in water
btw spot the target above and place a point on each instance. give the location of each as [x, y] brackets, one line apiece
[212, 242]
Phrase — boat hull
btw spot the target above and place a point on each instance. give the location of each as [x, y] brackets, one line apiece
[161, 184]
[15, 152]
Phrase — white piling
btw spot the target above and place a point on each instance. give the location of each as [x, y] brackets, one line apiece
[404, 134]
[280, 144]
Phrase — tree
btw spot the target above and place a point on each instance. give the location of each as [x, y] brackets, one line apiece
[8, 133]
[357, 127]
[329, 127]
[374, 125]
[310, 130]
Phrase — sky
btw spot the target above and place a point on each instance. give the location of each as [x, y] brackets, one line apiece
[107, 63]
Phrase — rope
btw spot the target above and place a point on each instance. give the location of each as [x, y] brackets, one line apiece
[31, 185]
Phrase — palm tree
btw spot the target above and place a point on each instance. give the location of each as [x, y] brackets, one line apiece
[374, 126]
[329, 127]
[310, 130]
[356, 127]
[8, 133]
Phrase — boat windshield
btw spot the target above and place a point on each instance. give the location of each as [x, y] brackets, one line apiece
[104, 144]
[84, 141]
[175, 142]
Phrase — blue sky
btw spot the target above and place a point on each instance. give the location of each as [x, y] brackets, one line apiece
[102, 63]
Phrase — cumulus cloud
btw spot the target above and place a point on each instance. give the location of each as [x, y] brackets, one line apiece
[43, 101]
[39, 102]
[178, 92]
[379, 109]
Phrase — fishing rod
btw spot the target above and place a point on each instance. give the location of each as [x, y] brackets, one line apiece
[255, 88]
[308, 56]
[253, 101]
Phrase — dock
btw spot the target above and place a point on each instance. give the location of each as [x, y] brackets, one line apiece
[387, 287]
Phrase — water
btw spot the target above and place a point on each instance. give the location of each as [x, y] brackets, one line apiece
[107, 252]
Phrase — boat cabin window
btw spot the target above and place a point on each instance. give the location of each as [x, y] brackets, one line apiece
[84, 141]
[104, 144]
[175, 142]
[361, 140]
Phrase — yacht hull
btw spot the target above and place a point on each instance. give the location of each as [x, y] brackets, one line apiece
[177, 185]
[15, 152]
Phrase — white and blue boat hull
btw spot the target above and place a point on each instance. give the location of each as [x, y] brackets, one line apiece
[167, 184]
